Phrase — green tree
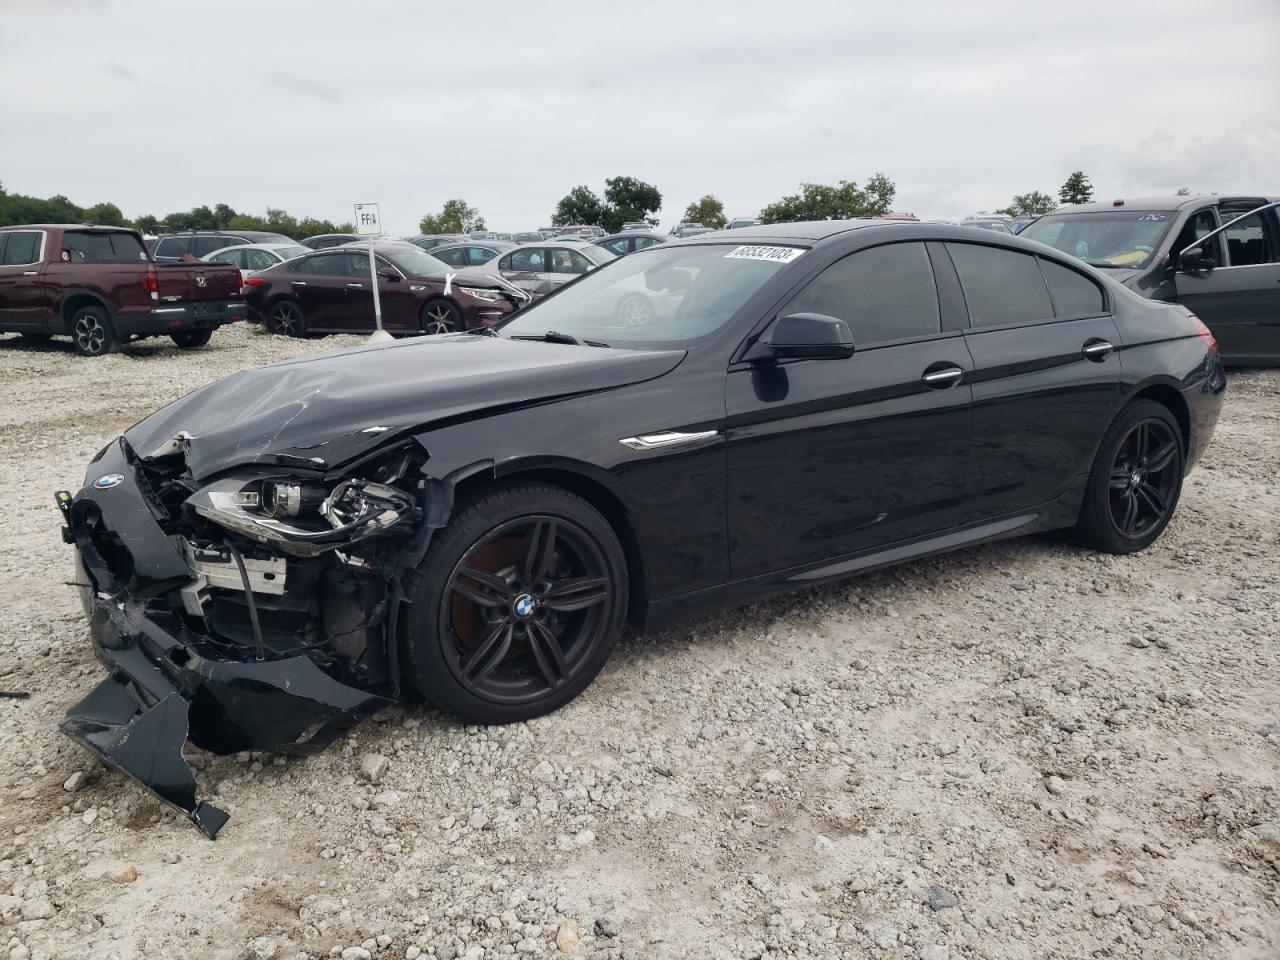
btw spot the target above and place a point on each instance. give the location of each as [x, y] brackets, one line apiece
[1076, 189]
[222, 215]
[1029, 205]
[146, 223]
[454, 217]
[708, 211]
[846, 201]
[105, 215]
[627, 199]
[579, 205]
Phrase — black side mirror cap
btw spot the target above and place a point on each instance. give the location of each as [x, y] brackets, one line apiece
[386, 273]
[1194, 261]
[807, 336]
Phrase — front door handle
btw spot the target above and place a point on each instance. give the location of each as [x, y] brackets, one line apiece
[1097, 350]
[298, 283]
[31, 273]
[357, 285]
[942, 378]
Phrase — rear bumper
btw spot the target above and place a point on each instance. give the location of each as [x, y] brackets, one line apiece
[177, 317]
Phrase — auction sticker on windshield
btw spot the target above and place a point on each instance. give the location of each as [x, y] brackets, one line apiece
[772, 254]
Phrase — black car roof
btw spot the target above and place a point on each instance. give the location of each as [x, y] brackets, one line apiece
[807, 232]
[631, 233]
[67, 226]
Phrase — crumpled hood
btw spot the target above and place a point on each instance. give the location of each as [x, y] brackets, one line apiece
[323, 411]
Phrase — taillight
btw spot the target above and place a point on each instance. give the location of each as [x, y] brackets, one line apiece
[150, 283]
[1204, 333]
[248, 283]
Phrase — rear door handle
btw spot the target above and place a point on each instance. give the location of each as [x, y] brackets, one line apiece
[31, 273]
[298, 283]
[1097, 350]
[359, 285]
[942, 378]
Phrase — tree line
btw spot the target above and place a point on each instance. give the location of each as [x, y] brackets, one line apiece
[17, 208]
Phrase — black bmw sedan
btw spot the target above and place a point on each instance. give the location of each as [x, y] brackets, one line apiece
[475, 516]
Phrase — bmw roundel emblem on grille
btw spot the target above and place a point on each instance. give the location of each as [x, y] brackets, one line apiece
[109, 480]
[523, 605]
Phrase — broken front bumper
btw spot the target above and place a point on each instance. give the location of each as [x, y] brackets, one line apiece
[168, 682]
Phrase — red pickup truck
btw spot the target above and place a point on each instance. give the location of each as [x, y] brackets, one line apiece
[101, 287]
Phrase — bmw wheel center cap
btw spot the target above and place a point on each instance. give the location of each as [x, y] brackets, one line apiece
[523, 606]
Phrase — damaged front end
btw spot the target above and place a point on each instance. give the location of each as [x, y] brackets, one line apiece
[255, 611]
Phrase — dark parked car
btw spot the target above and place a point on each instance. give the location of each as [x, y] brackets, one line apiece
[100, 286]
[687, 227]
[540, 268]
[630, 241]
[471, 253]
[1219, 256]
[739, 222]
[430, 241]
[281, 553]
[194, 244]
[330, 292]
[323, 241]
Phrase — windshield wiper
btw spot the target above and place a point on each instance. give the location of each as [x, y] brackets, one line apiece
[553, 336]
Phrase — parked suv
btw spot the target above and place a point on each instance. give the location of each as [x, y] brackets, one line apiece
[100, 286]
[1219, 256]
[199, 243]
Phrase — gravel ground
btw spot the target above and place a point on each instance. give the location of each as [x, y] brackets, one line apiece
[1024, 750]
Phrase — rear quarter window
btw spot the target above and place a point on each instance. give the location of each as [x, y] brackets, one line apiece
[90, 247]
[1074, 294]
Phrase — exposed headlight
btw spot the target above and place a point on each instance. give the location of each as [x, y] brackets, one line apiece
[302, 517]
[291, 498]
[480, 293]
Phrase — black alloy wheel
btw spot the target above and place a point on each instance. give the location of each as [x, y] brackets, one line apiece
[285, 318]
[1136, 480]
[521, 602]
[1142, 481]
[440, 316]
[91, 332]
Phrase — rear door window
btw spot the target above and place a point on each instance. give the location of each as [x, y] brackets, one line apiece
[257, 259]
[22, 248]
[526, 261]
[206, 245]
[454, 258]
[1250, 242]
[569, 261]
[330, 264]
[478, 256]
[1000, 286]
[1074, 294]
[172, 246]
[885, 293]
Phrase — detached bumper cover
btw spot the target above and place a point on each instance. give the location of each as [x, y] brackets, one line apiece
[177, 317]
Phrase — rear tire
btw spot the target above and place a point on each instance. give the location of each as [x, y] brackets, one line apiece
[285, 317]
[517, 605]
[440, 316]
[1136, 480]
[191, 339]
[92, 334]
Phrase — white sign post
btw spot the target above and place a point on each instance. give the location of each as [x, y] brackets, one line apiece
[369, 223]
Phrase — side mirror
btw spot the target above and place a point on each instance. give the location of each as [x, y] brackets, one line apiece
[1194, 261]
[388, 273]
[809, 336]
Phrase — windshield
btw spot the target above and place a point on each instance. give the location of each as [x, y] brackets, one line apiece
[1110, 238]
[419, 263]
[658, 297]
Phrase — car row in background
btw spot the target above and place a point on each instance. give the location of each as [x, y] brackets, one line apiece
[251, 257]
[330, 291]
[195, 244]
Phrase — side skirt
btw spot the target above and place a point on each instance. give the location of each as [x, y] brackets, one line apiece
[672, 610]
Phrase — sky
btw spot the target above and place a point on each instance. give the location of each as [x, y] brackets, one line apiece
[314, 105]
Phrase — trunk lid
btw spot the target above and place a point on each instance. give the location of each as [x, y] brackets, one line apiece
[195, 282]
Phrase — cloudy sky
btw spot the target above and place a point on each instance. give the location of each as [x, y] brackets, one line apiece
[311, 105]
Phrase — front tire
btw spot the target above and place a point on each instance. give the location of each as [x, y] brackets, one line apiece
[284, 317]
[1136, 480]
[519, 603]
[191, 339]
[440, 316]
[92, 334]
